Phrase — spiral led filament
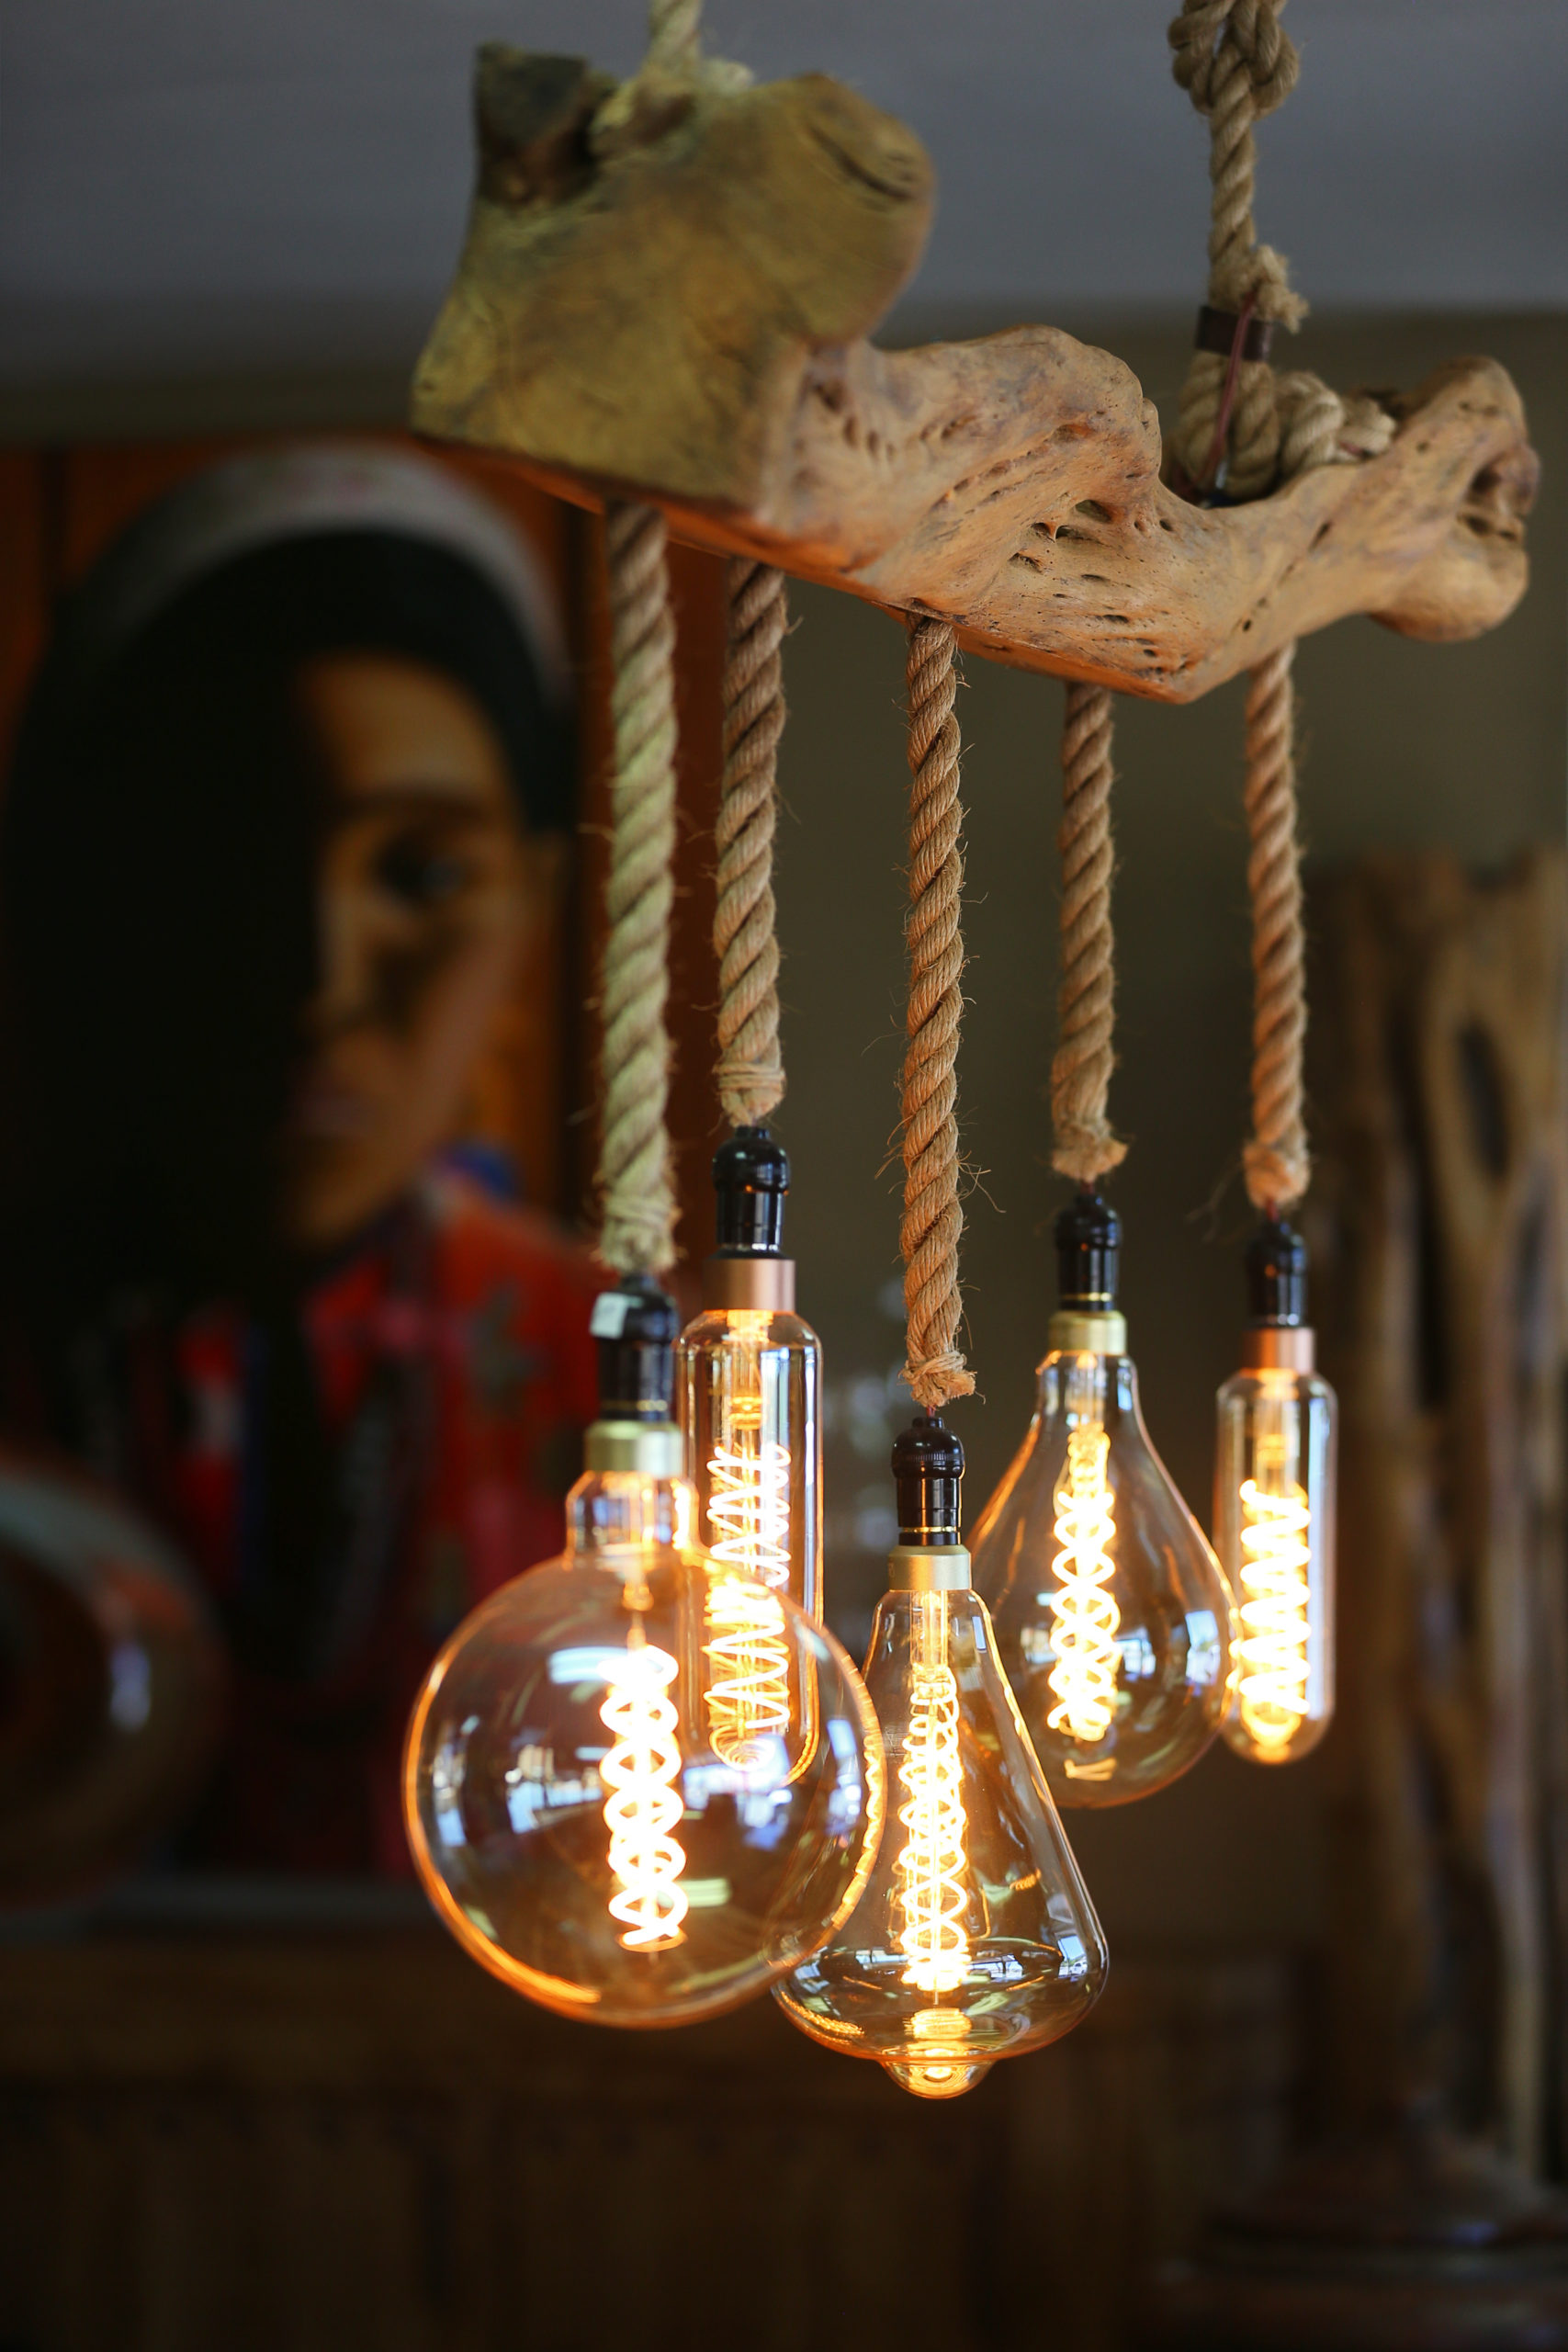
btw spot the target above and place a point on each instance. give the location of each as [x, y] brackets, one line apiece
[1276, 1552]
[1084, 1612]
[747, 1508]
[643, 1805]
[932, 1865]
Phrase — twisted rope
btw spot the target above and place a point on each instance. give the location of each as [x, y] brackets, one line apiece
[1085, 1147]
[1236, 64]
[1277, 1169]
[673, 29]
[750, 1073]
[933, 1220]
[636, 1194]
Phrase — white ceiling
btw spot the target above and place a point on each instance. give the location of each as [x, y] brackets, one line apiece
[210, 185]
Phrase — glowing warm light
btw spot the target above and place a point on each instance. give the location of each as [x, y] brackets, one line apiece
[643, 1805]
[749, 1704]
[1084, 1612]
[1272, 1654]
[932, 1866]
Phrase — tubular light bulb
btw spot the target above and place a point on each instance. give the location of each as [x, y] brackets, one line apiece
[1274, 1515]
[748, 1387]
[568, 1807]
[1113, 1617]
[975, 1938]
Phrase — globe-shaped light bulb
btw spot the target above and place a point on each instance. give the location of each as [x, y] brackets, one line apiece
[1112, 1616]
[975, 1938]
[567, 1804]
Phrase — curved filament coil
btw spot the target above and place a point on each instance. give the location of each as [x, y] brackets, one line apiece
[749, 1706]
[748, 1694]
[1083, 1610]
[932, 1864]
[1273, 1650]
[643, 1805]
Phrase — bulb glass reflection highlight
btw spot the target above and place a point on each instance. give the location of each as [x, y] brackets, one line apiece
[975, 1938]
[569, 1807]
[1111, 1615]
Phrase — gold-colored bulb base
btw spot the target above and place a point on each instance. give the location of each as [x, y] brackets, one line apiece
[1277, 1347]
[1088, 1335]
[751, 1286]
[943, 1569]
[654, 1448]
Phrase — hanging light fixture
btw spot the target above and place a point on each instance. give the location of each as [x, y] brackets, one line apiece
[1111, 1615]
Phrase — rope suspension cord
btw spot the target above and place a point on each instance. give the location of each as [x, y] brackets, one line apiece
[1085, 1146]
[749, 1072]
[1236, 64]
[933, 1218]
[637, 1201]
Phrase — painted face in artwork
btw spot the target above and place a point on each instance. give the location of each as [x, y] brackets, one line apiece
[426, 888]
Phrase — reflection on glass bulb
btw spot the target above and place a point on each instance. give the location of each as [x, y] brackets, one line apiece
[1111, 1615]
[569, 1808]
[975, 1937]
[1111, 1611]
[1274, 1531]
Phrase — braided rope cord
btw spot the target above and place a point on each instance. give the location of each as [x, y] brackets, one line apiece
[1236, 64]
[1084, 1146]
[933, 1217]
[750, 1073]
[638, 1202]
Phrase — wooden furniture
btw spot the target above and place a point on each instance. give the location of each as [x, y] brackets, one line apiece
[356, 2138]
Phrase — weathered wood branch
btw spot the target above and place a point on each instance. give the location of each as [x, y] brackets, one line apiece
[672, 299]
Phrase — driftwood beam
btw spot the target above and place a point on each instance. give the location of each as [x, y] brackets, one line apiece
[668, 297]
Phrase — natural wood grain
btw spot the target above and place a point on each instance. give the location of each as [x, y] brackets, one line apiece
[684, 317]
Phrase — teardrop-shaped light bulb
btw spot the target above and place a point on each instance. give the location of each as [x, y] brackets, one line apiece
[1112, 1616]
[975, 1938]
[1274, 1482]
[574, 1812]
[749, 1377]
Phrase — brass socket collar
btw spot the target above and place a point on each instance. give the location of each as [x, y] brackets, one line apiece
[755, 1285]
[944, 1568]
[1279, 1347]
[657, 1448]
[1088, 1335]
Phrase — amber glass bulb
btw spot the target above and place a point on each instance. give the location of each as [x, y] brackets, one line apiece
[975, 1938]
[1274, 1498]
[567, 1804]
[1111, 1615]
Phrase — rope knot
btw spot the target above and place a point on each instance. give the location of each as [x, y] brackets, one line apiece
[1211, 37]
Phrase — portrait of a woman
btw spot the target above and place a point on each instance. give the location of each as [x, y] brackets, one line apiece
[283, 802]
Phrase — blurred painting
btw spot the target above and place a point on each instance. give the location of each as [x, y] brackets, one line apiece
[283, 849]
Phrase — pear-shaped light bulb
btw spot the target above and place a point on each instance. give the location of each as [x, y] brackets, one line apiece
[575, 1810]
[748, 1388]
[1274, 1479]
[1113, 1617]
[975, 1938]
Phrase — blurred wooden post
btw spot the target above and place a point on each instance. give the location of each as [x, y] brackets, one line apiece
[1439, 1232]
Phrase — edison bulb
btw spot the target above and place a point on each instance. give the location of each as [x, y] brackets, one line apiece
[1274, 1491]
[748, 1384]
[577, 1810]
[1111, 1615]
[975, 1938]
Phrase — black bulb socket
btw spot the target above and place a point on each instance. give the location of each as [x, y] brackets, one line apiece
[1277, 1276]
[927, 1471]
[636, 1326]
[750, 1180]
[1089, 1254]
